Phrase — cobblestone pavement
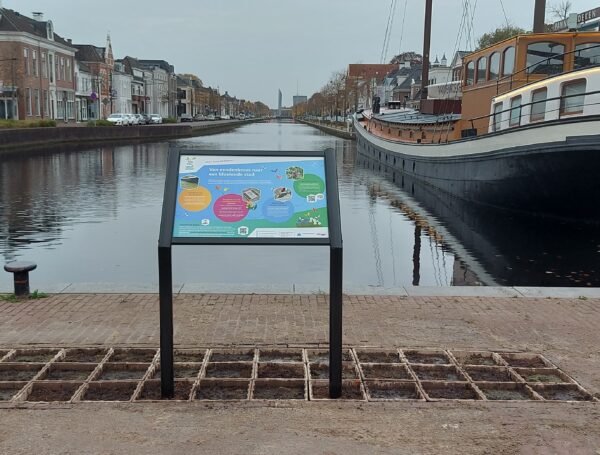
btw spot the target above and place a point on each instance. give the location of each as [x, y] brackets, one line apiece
[564, 330]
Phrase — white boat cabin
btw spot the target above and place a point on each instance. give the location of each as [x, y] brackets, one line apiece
[573, 94]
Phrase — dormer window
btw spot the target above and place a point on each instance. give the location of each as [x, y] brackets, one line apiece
[49, 31]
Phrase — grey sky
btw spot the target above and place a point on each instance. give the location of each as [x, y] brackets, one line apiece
[253, 47]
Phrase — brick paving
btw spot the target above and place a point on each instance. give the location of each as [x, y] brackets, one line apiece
[565, 330]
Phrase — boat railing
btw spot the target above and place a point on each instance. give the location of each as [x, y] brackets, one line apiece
[546, 111]
[510, 79]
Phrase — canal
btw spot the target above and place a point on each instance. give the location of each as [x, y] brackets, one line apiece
[92, 216]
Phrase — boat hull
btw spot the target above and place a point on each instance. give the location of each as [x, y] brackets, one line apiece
[557, 177]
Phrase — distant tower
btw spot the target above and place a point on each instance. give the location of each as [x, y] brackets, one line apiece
[279, 104]
[444, 60]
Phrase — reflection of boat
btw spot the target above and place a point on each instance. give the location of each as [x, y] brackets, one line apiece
[527, 135]
[498, 246]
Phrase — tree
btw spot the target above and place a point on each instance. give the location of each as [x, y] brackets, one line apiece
[500, 34]
[412, 57]
[561, 10]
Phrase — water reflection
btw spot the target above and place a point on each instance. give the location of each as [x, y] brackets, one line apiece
[92, 215]
[503, 247]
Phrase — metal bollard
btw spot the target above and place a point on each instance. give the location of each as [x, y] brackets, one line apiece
[21, 276]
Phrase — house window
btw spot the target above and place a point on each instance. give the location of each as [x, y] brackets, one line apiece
[57, 69]
[36, 102]
[69, 76]
[587, 55]
[494, 66]
[44, 65]
[572, 97]
[545, 58]
[34, 62]
[62, 69]
[481, 69]
[28, 101]
[51, 67]
[515, 111]
[538, 105]
[70, 96]
[498, 116]
[508, 62]
[26, 60]
[470, 77]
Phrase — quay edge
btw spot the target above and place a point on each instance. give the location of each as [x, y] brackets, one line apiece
[19, 139]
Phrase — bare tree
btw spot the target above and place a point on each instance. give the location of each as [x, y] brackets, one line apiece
[561, 10]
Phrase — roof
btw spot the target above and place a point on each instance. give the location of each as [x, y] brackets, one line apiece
[369, 71]
[89, 53]
[83, 67]
[13, 21]
[160, 63]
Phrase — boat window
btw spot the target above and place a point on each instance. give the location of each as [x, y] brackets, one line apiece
[470, 73]
[494, 66]
[498, 116]
[545, 58]
[508, 64]
[587, 55]
[572, 97]
[481, 67]
[515, 111]
[538, 105]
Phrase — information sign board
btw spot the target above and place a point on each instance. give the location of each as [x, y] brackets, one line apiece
[251, 197]
[255, 198]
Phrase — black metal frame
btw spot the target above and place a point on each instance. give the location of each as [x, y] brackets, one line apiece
[165, 271]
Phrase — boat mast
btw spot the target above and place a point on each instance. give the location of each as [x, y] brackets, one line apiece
[426, 44]
[539, 15]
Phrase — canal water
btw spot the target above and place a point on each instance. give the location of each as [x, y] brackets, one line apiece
[92, 216]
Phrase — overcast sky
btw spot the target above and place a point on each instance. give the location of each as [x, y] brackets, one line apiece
[251, 48]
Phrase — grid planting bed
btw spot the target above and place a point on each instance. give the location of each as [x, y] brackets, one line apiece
[268, 373]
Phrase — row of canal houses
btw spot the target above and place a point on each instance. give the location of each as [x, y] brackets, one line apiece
[45, 76]
[400, 80]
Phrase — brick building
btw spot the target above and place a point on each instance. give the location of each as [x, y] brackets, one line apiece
[37, 69]
[101, 64]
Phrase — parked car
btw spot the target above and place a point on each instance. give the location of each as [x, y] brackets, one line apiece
[186, 118]
[147, 119]
[241, 116]
[118, 119]
[131, 119]
[226, 117]
[199, 117]
[140, 119]
[156, 118]
[210, 117]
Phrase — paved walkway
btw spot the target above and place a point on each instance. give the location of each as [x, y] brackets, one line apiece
[565, 330]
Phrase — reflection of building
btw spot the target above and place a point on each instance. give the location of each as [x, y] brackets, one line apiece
[299, 99]
[36, 69]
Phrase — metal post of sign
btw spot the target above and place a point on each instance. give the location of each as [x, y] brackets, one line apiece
[172, 234]
[165, 279]
[165, 284]
[335, 281]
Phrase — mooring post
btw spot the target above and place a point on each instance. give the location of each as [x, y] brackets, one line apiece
[165, 280]
[20, 271]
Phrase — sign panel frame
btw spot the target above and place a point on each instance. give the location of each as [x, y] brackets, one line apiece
[167, 240]
[172, 185]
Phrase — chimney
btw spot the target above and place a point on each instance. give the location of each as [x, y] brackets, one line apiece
[38, 16]
[69, 40]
